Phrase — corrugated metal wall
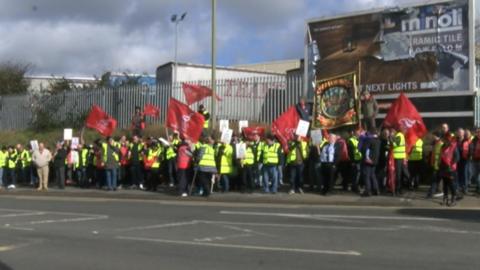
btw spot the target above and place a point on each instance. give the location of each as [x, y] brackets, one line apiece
[254, 99]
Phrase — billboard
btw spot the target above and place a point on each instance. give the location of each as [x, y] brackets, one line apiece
[419, 48]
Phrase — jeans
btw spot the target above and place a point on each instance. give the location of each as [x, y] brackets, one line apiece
[280, 174]
[270, 173]
[435, 182]
[82, 177]
[111, 175]
[1, 177]
[371, 182]
[225, 182]
[476, 173]
[296, 176]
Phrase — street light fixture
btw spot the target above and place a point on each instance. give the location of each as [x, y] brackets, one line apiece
[176, 20]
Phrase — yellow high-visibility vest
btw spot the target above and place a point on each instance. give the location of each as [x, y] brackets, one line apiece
[399, 150]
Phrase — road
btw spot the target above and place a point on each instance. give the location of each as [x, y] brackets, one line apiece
[96, 233]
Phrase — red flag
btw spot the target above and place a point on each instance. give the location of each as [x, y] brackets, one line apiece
[285, 125]
[194, 93]
[249, 132]
[151, 110]
[404, 115]
[181, 118]
[101, 121]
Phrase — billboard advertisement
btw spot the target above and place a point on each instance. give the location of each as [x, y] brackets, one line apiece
[419, 48]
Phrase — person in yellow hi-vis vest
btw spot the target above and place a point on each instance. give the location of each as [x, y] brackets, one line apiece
[110, 159]
[271, 158]
[205, 164]
[12, 159]
[400, 158]
[225, 157]
[3, 164]
[296, 158]
[154, 158]
[415, 163]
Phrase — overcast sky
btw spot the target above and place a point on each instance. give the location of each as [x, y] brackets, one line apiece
[87, 37]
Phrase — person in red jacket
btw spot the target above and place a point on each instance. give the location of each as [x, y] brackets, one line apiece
[184, 162]
[449, 158]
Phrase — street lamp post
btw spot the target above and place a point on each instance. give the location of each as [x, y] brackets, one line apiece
[214, 65]
[176, 19]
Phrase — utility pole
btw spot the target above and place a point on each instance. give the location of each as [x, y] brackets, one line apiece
[176, 19]
[214, 67]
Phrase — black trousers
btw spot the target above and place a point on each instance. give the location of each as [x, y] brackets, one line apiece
[153, 179]
[449, 186]
[183, 177]
[248, 177]
[416, 170]
[136, 174]
[328, 177]
[204, 178]
[401, 174]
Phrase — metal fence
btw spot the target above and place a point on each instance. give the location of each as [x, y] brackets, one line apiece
[258, 100]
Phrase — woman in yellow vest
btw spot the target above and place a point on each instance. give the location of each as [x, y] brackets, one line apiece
[435, 163]
[12, 159]
[248, 165]
[271, 158]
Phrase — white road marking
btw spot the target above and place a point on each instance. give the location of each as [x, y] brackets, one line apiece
[23, 214]
[330, 227]
[316, 216]
[261, 248]
[157, 226]
[64, 220]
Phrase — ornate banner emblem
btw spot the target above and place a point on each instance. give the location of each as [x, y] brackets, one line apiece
[336, 102]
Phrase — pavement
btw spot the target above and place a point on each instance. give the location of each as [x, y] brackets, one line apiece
[63, 231]
[408, 199]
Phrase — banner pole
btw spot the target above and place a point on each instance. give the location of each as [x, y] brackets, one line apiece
[358, 94]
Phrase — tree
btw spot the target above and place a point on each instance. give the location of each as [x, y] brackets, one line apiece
[12, 78]
[60, 85]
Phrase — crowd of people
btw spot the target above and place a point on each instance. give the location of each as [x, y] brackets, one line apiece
[357, 161]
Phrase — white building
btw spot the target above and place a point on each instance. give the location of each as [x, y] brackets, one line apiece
[43, 82]
[187, 72]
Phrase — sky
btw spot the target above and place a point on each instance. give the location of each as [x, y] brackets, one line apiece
[90, 37]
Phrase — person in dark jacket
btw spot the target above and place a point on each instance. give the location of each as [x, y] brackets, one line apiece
[370, 157]
[59, 164]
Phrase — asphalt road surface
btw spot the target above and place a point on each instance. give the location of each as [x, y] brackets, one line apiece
[95, 233]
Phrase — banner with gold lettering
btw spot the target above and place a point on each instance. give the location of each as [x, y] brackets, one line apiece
[336, 102]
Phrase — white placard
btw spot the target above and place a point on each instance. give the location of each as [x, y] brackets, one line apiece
[316, 136]
[302, 128]
[226, 136]
[242, 124]
[224, 125]
[34, 145]
[67, 134]
[241, 150]
[75, 142]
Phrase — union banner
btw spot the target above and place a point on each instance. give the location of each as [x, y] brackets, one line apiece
[336, 102]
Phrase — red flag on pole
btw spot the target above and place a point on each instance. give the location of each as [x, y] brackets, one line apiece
[285, 125]
[250, 132]
[101, 121]
[181, 118]
[151, 110]
[194, 93]
[404, 115]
